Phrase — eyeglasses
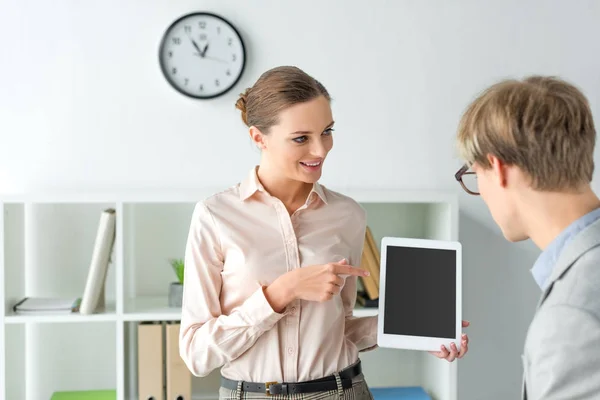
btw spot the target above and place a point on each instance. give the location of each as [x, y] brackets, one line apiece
[468, 180]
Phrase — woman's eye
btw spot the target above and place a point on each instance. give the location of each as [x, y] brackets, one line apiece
[300, 139]
[328, 132]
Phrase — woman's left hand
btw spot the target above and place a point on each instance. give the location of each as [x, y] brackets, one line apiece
[453, 353]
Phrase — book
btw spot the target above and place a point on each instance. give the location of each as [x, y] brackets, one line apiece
[47, 305]
[93, 295]
[376, 262]
[369, 262]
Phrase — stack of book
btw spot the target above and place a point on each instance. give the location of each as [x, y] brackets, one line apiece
[369, 297]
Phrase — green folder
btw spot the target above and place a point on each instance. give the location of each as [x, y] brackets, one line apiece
[86, 395]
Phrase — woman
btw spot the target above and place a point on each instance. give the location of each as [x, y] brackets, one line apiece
[270, 277]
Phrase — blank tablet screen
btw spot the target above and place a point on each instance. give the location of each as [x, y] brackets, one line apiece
[420, 292]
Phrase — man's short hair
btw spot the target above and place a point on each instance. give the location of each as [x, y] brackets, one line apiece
[543, 125]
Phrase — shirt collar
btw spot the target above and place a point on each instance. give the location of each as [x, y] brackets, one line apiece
[251, 185]
[542, 269]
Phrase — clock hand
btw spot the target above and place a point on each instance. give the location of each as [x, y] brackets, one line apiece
[216, 59]
[211, 58]
[205, 48]
[197, 48]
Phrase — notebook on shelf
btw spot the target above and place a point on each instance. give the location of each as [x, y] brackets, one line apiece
[47, 305]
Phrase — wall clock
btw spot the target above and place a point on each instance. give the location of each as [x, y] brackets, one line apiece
[202, 55]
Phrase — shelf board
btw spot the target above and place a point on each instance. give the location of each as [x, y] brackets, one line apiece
[365, 311]
[156, 309]
[146, 308]
[13, 318]
[150, 308]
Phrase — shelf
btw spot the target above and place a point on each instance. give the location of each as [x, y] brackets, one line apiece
[155, 308]
[107, 316]
[69, 357]
[38, 230]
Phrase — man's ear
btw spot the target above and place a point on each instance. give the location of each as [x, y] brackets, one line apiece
[499, 169]
[258, 138]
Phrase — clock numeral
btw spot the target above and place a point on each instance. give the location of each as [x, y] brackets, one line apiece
[228, 73]
[186, 81]
[201, 88]
[187, 29]
[174, 71]
[170, 54]
[230, 41]
[217, 82]
[218, 30]
[203, 36]
[176, 40]
[202, 24]
[233, 57]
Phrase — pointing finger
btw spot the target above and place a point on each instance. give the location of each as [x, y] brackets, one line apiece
[350, 270]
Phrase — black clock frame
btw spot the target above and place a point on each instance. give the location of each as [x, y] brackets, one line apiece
[168, 77]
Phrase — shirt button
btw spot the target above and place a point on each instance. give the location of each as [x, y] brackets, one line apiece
[290, 350]
[293, 310]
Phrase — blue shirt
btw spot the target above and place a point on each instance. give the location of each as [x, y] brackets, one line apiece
[545, 263]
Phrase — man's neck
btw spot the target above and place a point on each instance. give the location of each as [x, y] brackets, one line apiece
[547, 214]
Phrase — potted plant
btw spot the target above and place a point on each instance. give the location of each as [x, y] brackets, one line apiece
[176, 288]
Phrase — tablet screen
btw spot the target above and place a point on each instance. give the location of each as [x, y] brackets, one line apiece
[420, 292]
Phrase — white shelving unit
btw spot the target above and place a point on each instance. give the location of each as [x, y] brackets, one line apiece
[45, 249]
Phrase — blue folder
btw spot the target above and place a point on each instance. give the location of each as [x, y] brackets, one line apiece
[399, 393]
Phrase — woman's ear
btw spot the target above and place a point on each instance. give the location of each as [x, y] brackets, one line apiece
[258, 138]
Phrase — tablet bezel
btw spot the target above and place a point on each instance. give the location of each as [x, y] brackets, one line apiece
[419, 342]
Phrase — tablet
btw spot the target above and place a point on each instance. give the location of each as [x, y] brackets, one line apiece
[419, 294]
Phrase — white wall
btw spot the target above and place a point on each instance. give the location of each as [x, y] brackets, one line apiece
[83, 105]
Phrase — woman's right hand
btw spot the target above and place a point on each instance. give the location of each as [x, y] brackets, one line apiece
[314, 283]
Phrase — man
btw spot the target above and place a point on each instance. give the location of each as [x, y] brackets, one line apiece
[530, 146]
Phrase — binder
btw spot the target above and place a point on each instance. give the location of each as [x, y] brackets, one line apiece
[179, 377]
[150, 361]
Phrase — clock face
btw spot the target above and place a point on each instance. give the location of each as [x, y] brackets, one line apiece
[202, 55]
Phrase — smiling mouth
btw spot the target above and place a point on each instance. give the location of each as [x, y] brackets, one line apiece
[315, 164]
